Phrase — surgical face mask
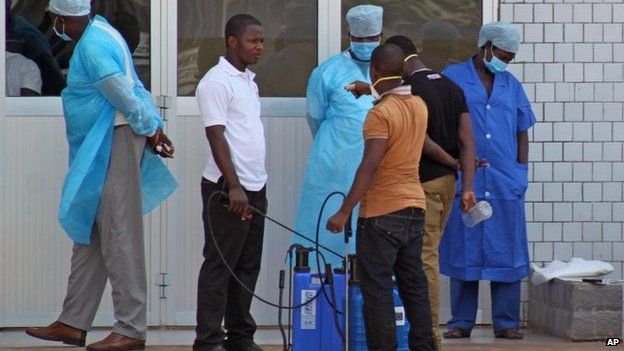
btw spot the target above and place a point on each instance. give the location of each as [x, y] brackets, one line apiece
[496, 65]
[374, 92]
[63, 35]
[363, 50]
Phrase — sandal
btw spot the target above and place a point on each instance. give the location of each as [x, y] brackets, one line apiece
[457, 333]
[509, 334]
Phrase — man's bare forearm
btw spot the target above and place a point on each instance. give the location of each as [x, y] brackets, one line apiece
[523, 147]
[221, 153]
[435, 152]
[467, 153]
[363, 178]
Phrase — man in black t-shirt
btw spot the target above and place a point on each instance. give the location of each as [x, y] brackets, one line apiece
[450, 128]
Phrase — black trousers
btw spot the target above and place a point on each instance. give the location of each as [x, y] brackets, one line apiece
[392, 245]
[219, 296]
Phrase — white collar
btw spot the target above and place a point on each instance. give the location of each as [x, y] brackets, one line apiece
[233, 71]
[400, 90]
[404, 90]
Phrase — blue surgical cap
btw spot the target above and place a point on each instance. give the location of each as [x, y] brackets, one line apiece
[502, 35]
[365, 20]
[70, 7]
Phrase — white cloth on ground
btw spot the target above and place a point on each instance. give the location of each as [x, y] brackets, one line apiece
[576, 268]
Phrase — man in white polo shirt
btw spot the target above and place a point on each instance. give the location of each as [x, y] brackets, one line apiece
[229, 106]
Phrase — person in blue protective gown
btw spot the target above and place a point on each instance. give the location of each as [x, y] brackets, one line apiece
[336, 119]
[115, 176]
[497, 249]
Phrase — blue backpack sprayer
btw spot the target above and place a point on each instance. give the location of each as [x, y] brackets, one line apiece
[326, 308]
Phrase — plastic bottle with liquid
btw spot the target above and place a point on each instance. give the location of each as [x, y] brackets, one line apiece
[479, 213]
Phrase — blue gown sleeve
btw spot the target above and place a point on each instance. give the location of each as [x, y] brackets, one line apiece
[139, 111]
[526, 117]
[317, 101]
[134, 102]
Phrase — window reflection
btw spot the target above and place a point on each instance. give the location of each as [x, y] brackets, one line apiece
[290, 47]
[27, 44]
[445, 31]
[30, 39]
[23, 76]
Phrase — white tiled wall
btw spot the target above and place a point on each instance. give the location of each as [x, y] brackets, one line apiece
[571, 63]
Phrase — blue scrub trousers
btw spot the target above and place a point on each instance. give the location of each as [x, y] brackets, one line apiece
[465, 301]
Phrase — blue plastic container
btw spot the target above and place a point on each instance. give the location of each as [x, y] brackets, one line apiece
[357, 333]
[313, 325]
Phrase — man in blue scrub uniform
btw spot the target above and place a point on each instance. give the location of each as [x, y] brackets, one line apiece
[495, 250]
[336, 119]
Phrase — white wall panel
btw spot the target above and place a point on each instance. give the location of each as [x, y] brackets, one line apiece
[35, 251]
[185, 230]
[34, 248]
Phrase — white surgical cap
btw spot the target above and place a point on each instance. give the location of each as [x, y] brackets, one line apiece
[365, 20]
[502, 35]
[70, 7]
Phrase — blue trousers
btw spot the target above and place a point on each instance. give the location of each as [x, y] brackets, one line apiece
[465, 301]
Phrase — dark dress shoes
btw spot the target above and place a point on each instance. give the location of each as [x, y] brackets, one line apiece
[58, 331]
[216, 348]
[457, 333]
[117, 342]
[509, 334]
[245, 346]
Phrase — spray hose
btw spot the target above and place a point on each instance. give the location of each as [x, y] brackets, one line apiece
[231, 270]
[261, 213]
[319, 257]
